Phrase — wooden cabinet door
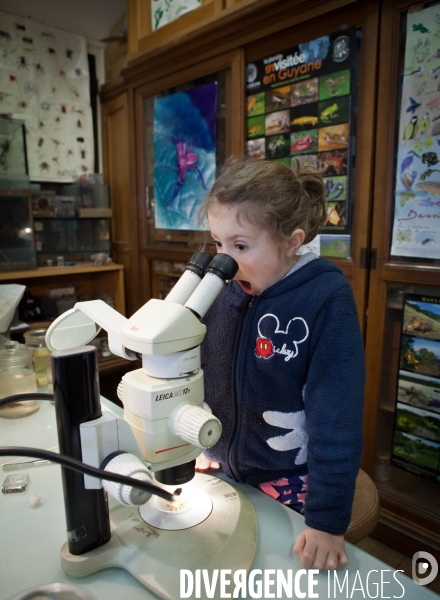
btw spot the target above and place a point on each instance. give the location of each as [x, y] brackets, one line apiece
[119, 174]
[410, 514]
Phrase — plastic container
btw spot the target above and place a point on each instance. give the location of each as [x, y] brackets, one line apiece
[36, 341]
[17, 376]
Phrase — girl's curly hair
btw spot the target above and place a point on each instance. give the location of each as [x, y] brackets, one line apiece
[271, 196]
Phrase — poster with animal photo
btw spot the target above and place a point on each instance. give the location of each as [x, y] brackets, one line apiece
[301, 107]
[45, 83]
[184, 155]
[416, 226]
[416, 443]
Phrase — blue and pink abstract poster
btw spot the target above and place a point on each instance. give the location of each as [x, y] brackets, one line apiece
[184, 155]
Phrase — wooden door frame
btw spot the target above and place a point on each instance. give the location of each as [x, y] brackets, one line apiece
[125, 251]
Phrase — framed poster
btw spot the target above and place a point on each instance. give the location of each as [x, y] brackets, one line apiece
[416, 439]
[416, 226]
[301, 106]
[184, 155]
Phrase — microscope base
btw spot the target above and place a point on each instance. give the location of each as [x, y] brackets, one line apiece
[225, 540]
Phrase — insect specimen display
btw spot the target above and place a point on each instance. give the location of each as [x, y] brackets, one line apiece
[45, 83]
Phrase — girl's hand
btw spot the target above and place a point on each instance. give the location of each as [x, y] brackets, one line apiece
[320, 550]
[204, 464]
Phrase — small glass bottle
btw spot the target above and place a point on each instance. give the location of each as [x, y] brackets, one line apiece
[17, 376]
[36, 341]
[382, 466]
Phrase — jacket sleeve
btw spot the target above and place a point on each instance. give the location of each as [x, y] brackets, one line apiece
[333, 398]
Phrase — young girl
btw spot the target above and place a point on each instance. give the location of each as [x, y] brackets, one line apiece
[283, 356]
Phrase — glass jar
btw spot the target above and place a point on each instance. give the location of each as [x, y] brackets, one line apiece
[36, 341]
[382, 466]
[17, 376]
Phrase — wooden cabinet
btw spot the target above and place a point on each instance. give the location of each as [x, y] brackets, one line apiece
[89, 281]
[220, 44]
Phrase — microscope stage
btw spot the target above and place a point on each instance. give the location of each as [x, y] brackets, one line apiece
[192, 507]
[226, 539]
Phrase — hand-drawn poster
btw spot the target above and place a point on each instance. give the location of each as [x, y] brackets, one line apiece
[416, 441]
[184, 155]
[301, 106]
[165, 11]
[44, 81]
[416, 228]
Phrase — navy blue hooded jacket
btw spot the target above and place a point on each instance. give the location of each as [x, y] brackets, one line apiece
[284, 373]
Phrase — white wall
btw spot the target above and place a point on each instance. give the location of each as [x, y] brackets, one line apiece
[93, 18]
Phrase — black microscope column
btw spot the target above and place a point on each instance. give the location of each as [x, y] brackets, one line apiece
[76, 392]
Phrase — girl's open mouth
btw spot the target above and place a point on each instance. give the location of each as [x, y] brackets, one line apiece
[245, 285]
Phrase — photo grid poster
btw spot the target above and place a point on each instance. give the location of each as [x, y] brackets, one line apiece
[184, 155]
[44, 81]
[416, 227]
[416, 440]
[300, 107]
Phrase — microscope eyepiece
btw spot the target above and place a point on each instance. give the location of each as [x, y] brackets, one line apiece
[198, 263]
[224, 266]
[193, 274]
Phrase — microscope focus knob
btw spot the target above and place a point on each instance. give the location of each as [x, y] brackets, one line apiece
[129, 465]
[195, 425]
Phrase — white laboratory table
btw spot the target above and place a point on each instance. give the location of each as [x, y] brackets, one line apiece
[31, 538]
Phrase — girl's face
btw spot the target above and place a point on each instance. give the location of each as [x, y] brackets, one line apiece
[261, 263]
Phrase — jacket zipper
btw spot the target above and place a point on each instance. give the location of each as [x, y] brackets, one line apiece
[236, 387]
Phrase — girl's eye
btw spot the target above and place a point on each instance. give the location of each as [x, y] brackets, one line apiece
[216, 244]
[240, 247]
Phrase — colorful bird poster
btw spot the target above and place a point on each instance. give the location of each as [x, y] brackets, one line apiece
[184, 155]
[45, 83]
[416, 439]
[416, 227]
[300, 107]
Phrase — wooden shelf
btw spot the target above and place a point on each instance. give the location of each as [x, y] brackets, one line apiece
[55, 271]
[87, 279]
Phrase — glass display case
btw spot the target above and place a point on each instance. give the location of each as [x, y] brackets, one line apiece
[16, 241]
[402, 412]
[13, 157]
[407, 448]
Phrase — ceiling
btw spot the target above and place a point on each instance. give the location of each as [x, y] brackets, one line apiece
[93, 18]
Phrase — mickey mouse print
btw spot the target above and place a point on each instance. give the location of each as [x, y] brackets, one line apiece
[274, 340]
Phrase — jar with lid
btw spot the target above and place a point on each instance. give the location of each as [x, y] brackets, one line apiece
[36, 341]
[17, 376]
